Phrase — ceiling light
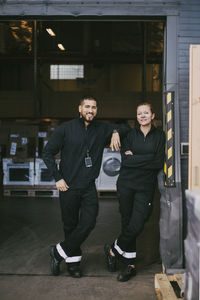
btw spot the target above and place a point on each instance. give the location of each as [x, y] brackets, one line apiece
[61, 47]
[50, 31]
[46, 120]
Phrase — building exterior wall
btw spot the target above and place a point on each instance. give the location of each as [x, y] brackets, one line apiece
[187, 13]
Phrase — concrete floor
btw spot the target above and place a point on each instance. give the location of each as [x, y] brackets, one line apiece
[28, 226]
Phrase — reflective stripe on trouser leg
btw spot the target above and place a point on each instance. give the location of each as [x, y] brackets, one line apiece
[68, 259]
[124, 254]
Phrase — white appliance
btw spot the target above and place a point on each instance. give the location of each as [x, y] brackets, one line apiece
[109, 172]
[15, 173]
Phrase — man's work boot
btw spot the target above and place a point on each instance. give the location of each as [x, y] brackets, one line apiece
[111, 260]
[55, 261]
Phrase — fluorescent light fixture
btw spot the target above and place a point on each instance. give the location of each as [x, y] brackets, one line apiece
[61, 47]
[50, 31]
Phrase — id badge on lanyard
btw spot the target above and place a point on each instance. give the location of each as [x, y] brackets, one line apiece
[88, 160]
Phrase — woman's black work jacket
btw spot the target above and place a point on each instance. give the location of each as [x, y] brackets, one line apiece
[139, 171]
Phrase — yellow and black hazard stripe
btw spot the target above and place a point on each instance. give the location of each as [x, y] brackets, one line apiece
[169, 168]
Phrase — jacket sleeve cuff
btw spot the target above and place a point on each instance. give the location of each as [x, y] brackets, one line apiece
[58, 176]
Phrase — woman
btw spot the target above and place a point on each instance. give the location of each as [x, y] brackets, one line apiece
[142, 156]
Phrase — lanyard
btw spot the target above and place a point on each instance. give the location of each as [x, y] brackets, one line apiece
[87, 142]
[88, 159]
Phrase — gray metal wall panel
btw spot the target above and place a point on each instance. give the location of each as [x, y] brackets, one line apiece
[188, 20]
[189, 27]
[88, 8]
[85, 2]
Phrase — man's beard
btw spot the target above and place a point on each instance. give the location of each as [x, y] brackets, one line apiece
[88, 121]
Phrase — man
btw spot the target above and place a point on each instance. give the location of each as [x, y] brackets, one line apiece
[81, 142]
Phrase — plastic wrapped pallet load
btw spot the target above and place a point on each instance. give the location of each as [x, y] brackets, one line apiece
[17, 174]
[192, 244]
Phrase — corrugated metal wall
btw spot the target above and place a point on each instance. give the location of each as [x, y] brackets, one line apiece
[78, 8]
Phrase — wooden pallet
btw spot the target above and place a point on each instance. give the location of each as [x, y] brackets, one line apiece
[168, 287]
[44, 191]
[30, 192]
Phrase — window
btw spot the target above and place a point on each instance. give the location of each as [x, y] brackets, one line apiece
[66, 71]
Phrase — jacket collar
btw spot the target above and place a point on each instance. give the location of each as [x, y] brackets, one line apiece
[139, 130]
[81, 120]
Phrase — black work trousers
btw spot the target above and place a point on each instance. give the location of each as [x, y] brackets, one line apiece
[135, 207]
[79, 209]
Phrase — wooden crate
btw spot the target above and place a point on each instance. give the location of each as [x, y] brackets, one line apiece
[168, 287]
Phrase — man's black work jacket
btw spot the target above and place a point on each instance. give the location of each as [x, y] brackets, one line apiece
[74, 139]
[139, 171]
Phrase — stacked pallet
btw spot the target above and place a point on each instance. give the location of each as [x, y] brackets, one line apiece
[168, 287]
[22, 170]
[30, 191]
[29, 178]
[192, 244]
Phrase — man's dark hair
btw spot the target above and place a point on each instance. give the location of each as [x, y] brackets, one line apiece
[87, 98]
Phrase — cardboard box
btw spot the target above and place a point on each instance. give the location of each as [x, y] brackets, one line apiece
[22, 142]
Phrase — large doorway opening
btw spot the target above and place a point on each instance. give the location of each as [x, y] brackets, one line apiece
[51, 64]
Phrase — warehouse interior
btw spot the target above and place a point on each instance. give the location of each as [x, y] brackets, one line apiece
[46, 67]
[121, 67]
